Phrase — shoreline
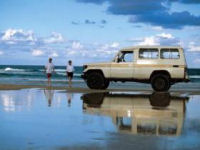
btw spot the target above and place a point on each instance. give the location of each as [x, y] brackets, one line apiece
[75, 89]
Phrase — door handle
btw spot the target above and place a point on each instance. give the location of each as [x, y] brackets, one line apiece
[175, 66]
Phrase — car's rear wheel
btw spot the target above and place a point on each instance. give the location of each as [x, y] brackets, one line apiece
[160, 82]
[95, 80]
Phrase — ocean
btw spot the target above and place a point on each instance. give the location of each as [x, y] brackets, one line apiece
[34, 75]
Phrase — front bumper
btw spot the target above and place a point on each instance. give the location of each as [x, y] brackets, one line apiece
[186, 80]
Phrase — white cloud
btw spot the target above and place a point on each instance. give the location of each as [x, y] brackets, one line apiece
[95, 50]
[76, 49]
[158, 39]
[37, 52]
[114, 45]
[197, 60]
[157, 28]
[19, 40]
[149, 41]
[71, 52]
[54, 38]
[77, 45]
[106, 50]
[193, 47]
[1, 52]
[165, 35]
[12, 36]
[54, 54]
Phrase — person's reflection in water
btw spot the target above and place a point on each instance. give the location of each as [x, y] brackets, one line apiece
[49, 96]
[69, 98]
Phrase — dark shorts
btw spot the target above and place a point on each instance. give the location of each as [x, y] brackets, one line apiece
[70, 74]
[48, 75]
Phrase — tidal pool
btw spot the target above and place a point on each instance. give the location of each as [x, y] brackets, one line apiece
[48, 119]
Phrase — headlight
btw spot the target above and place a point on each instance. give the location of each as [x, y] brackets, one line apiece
[84, 67]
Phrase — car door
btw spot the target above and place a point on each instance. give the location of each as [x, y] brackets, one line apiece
[147, 62]
[123, 67]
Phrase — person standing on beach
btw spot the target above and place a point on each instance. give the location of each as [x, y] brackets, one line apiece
[70, 70]
[49, 70]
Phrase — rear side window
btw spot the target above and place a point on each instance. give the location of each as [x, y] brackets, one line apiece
[169, 54]
[148, 53]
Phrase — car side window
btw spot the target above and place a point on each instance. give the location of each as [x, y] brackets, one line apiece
[127, 57]
[169, 54]
[147, 53]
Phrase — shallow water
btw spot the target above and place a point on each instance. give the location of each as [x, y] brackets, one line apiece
[47, 119]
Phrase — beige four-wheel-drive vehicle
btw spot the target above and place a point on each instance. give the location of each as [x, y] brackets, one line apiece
[162, 66]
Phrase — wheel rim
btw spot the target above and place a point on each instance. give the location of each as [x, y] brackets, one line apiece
[160, 83]
[94, 82]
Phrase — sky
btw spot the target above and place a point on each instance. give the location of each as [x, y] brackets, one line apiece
[87, 31]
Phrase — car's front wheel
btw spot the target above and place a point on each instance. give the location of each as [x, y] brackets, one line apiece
[106, 83]
[95, 80]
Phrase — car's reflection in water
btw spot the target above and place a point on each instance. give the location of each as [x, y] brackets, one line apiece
[154, 114]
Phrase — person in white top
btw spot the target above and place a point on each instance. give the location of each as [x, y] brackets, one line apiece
[49, 70]
[70, 70]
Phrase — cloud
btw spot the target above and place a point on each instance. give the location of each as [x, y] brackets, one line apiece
[114, 45]
[157, 28]
[153, 12]
[103, 21]
[77, 45]
[1, 52]
[75, 49]
[158, 39]
[197, 60]
[176, 20]
[93, 1]
[165, 36]
[17, 41]
[187, 1]
[92, 51]
[193, 47]
[75, 23]
[107, 50]
[90, 22]
[87, 21]
[54, 38]
[13, 36]
[37, 52]
[53, 54]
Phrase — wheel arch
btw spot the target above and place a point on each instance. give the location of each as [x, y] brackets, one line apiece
[95, 70]
[164, 72]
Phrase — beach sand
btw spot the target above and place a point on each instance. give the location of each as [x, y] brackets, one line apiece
[190, 88]
[121, 117]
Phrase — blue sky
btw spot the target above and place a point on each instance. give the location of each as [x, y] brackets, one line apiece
[94, 30]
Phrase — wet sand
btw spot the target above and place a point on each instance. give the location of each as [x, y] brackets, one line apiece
[190, 88]
[62, 118]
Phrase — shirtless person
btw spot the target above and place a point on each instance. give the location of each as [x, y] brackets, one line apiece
[49, 70]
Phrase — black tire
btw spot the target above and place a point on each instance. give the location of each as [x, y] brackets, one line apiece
[160, 99]
[106, 84]
[160, 82]
[95, 80]
[93, 99]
